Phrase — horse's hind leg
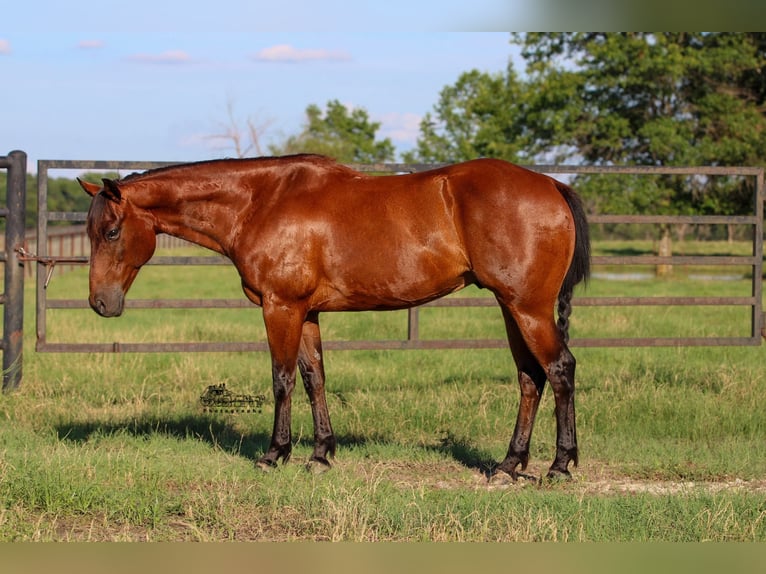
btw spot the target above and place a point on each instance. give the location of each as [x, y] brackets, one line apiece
[544, 341]
[312, 371]
[531, 383]
[562, 376]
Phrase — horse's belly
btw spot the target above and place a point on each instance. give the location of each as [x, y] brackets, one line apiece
[394, 291]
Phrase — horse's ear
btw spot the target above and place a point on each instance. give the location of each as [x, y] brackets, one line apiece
[111, 190]
[91, 188]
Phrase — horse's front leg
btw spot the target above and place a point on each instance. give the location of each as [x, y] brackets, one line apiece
[283, 330]
[311, 366]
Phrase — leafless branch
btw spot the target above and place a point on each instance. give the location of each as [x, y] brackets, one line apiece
[242, 139]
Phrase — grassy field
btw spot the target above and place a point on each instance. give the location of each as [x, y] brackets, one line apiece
[116, 447]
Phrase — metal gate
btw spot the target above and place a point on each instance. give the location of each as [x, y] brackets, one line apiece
[754, 220]
[12, 298]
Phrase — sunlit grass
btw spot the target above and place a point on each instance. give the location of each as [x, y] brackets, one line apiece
[116, 447]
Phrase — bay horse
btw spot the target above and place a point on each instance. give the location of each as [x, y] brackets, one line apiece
[309, 235]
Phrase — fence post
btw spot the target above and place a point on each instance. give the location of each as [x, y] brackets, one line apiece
[13, 298]
[413, 326]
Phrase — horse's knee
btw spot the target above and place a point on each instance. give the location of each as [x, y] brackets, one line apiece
[283, 383]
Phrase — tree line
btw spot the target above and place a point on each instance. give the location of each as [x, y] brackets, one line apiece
[653, 99]
[656, 99]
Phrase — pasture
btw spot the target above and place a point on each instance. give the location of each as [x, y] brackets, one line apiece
[116, 447]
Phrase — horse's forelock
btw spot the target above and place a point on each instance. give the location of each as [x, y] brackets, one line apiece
[98, 209]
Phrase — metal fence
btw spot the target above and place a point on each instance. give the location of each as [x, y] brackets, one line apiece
[12, 298]
[753, 302]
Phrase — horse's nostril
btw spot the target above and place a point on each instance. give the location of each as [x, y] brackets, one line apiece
[107, 304]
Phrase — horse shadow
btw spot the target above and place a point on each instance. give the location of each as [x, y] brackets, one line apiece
[215, 431]
[223, 434]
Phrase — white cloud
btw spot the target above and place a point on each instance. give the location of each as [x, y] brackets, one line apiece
[167, 57]
[288, 53]
[90, 44]
[5, 46]
[400, 127]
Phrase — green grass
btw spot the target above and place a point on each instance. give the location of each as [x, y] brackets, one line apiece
[115, 447]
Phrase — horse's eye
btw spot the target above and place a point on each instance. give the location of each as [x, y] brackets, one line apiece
[113, 234]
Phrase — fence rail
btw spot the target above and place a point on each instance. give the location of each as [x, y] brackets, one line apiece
[413, 340]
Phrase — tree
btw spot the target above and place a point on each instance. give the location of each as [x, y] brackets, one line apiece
[243, 140]
[480, 116]
[346, 135]
[650, 99]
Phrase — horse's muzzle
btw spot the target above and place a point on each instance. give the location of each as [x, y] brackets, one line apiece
[108, 303]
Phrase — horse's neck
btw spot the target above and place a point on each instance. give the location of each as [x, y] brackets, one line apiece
[199, 215]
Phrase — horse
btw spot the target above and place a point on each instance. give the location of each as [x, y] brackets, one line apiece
[309, 235]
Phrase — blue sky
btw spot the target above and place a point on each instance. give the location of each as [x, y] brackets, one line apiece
[145, 80]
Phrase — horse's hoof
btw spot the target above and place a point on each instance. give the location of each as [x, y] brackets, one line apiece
[501, 478]
[265, 465]
[556, 475]
[318, 465]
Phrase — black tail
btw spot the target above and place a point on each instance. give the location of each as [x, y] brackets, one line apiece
[579, 269]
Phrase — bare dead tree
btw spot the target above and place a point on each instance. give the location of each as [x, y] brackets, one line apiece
[243, 139]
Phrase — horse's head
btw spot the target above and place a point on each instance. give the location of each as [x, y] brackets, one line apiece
[122, 239]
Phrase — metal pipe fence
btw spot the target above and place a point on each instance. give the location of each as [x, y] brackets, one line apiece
[413, 340]
[12, 298]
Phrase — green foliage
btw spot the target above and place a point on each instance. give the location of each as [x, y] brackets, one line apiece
[617, 99]
[477, 117]
[346, 135]
[64, 194]
[650, 99]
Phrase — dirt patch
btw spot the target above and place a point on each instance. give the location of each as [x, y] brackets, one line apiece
[592, 479]
[631, 486]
